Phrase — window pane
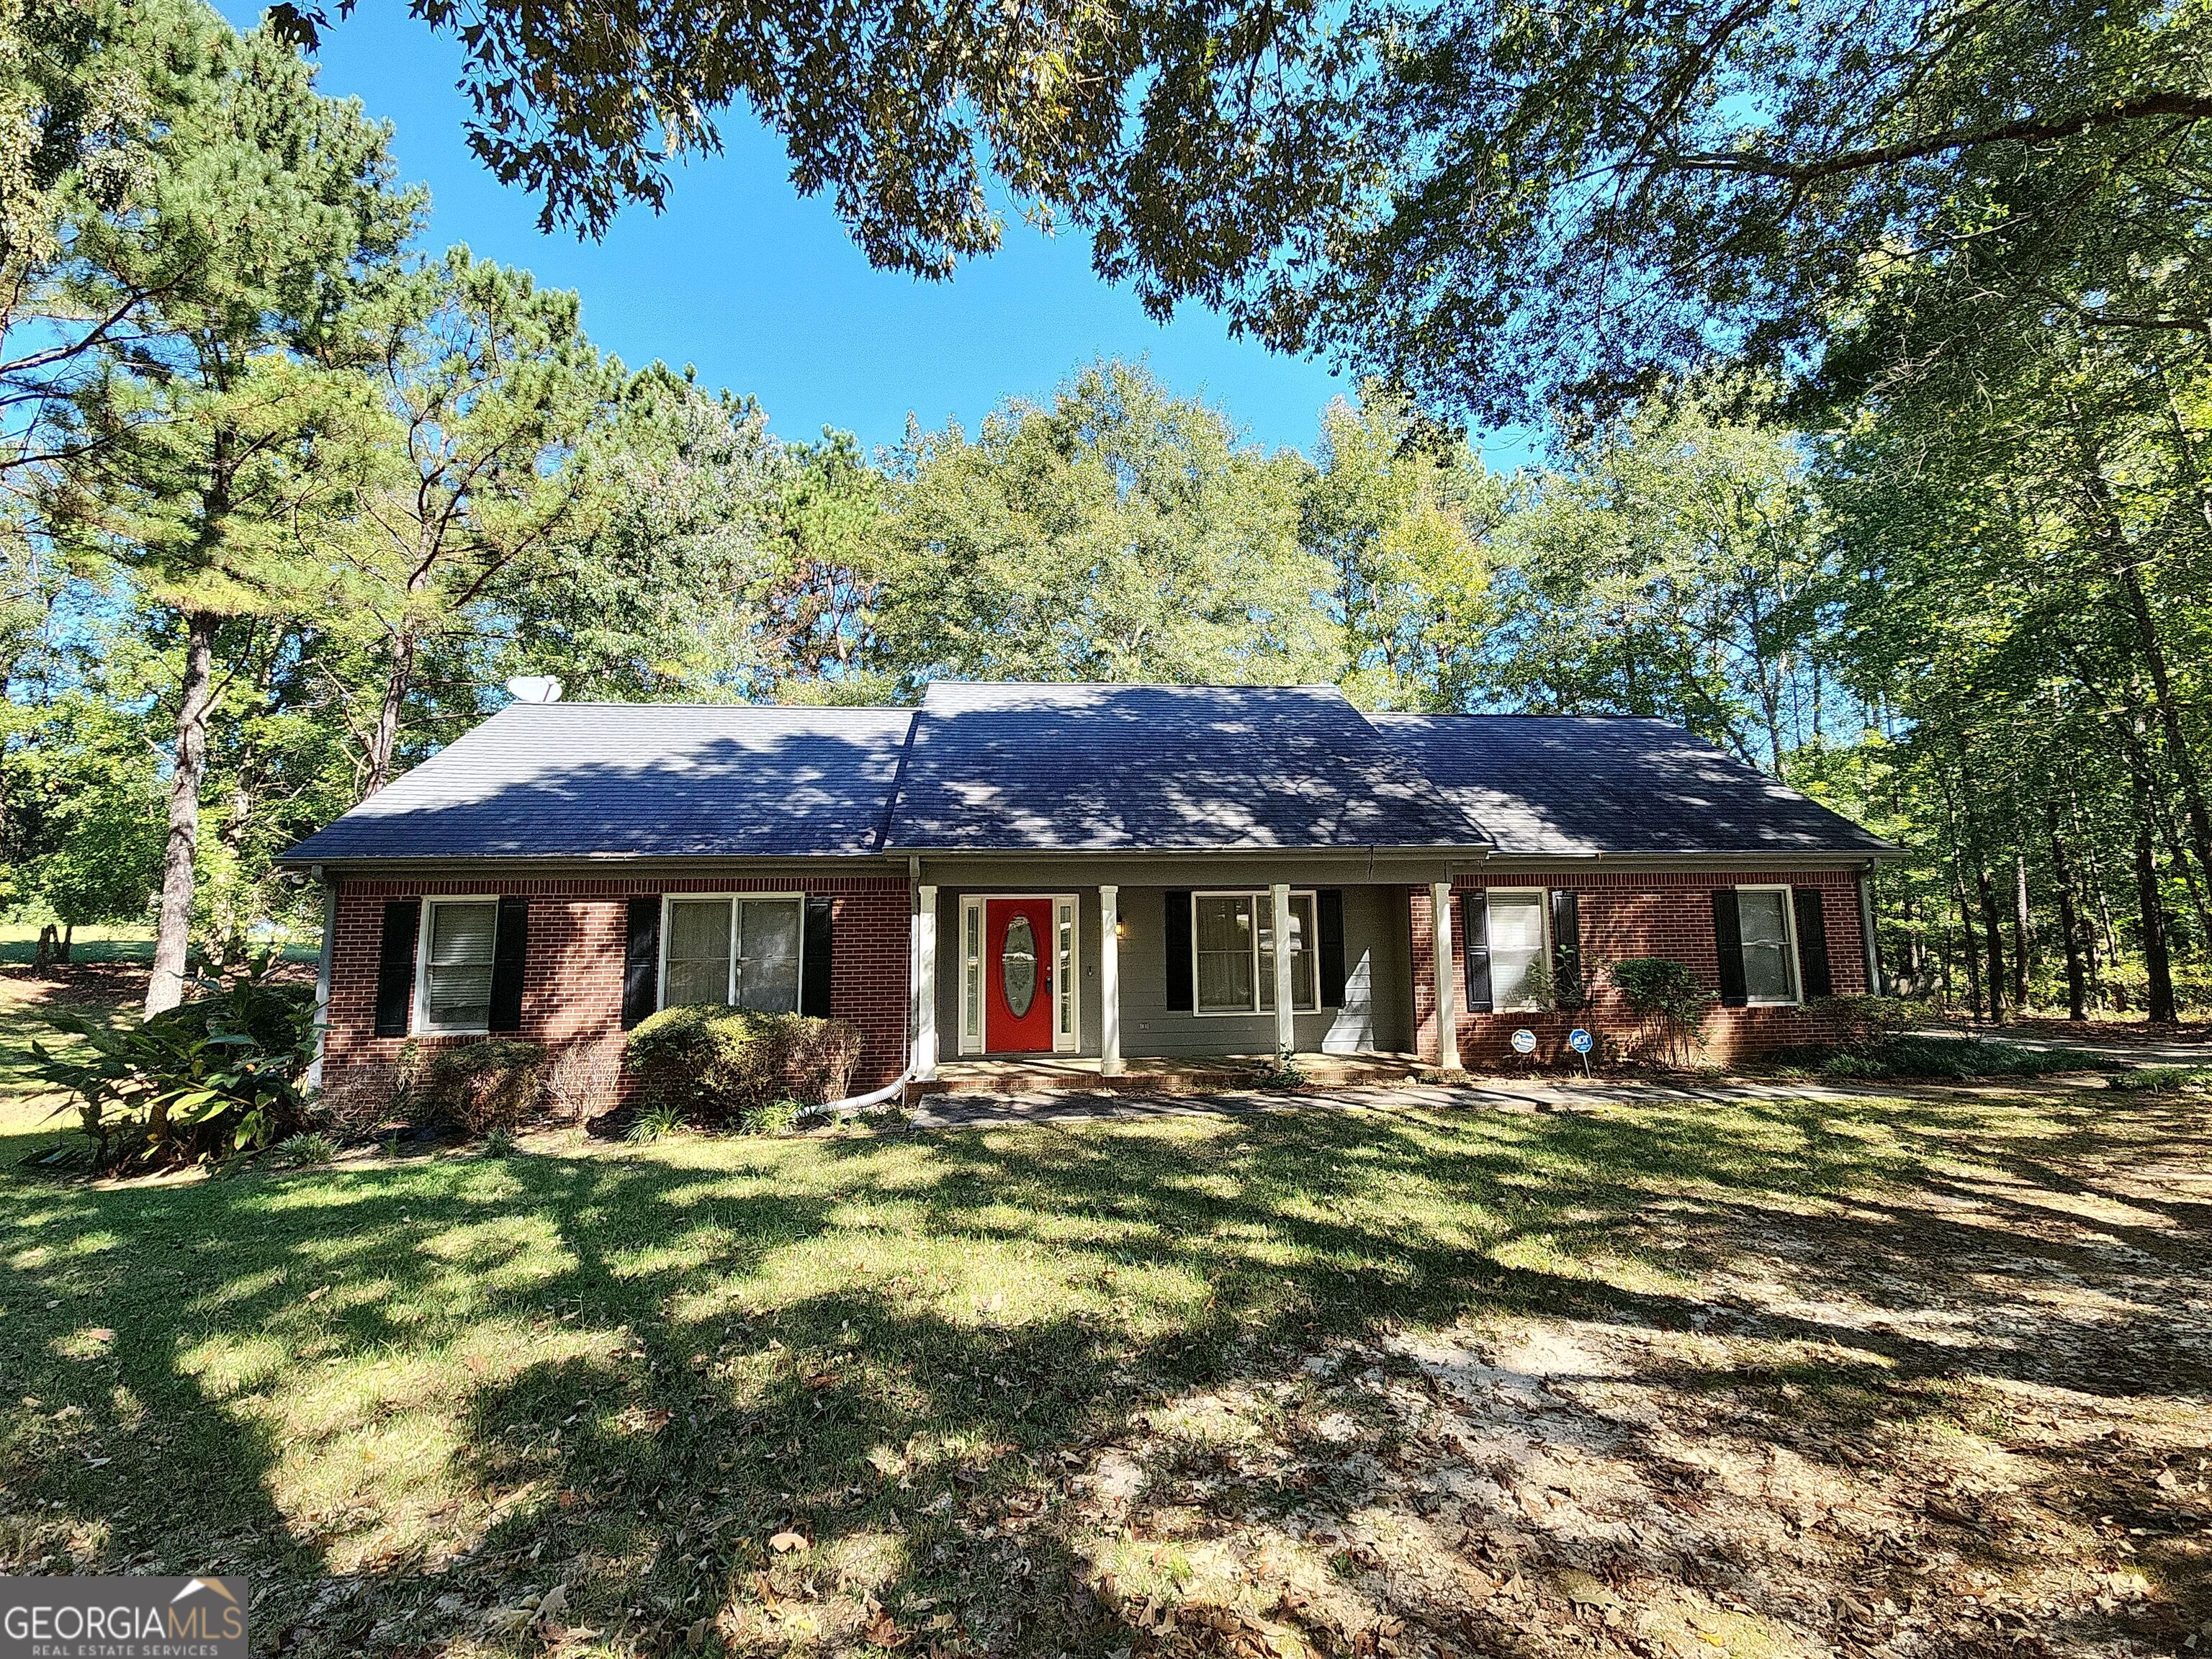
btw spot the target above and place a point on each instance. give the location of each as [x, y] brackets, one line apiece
[458, 984]
[1225, 981]
[1066, 969]
[699, 929]
[1516, 944]
[767, 956]
[1767, 976]
[1302, 951]
[1224, 951]
[1264, 908]
[1225, 922]
[972, 918]
[698, 951]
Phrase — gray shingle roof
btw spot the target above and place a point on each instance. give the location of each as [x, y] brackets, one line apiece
[579, 779]
[1119, 768]
[1576, 784]
[1074, 768]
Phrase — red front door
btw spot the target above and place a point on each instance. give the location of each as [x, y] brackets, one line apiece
[1017, 956]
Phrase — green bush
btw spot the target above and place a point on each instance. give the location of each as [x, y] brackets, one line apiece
[1666, 997]
[717, 1066]
[303, 1150]
[655, 1122]
[1908, 1055]
[778, 1118]
[483, 1086]
[201, 1080]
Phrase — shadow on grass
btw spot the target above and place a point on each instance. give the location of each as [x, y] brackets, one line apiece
[399, 1398]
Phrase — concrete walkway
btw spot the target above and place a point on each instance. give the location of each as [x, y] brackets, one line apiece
[963, 1111]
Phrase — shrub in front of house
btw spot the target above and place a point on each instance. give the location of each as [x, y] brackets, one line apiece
[483, 1086]
[221, 1074]
[723, 1067]
[1667, 1002]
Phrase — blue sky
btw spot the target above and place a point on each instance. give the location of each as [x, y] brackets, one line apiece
[764, 292]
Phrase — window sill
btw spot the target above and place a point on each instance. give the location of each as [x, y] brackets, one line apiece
[452, 1031]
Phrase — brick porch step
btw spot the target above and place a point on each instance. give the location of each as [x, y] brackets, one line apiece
[1043, 1074]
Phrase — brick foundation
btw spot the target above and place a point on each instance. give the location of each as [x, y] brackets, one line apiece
[572, 974]
[1634, 914]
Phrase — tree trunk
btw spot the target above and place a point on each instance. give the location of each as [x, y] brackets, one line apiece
[2159, 1004]
[2169, 716]
[2167, 834]
[384, 741]
[2070, 925]
[164, 988]
[2023, 929]
[2122, 562]
[68, 943]
[1966, 938]
[1987, 890]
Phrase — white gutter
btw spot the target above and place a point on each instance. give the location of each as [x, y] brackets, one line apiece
[854, 1103]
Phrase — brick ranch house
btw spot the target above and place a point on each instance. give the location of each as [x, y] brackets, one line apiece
[1082, 871]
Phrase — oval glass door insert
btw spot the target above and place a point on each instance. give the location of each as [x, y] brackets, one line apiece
[1017, 966]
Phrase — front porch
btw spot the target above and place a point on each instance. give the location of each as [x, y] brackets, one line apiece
[1026, 974]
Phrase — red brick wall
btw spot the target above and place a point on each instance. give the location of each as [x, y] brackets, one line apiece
[1635, 913]
[572, 973]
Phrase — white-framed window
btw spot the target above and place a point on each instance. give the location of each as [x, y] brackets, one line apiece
[1769, 930]
[1064, 1035]
[971, 974]
[739, 948]
[1519, 948]
[453, 966]
[1232, 952]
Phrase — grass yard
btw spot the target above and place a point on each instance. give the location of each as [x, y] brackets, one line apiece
[1921, 1375]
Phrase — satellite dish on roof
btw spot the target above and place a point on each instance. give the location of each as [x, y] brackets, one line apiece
[534, 688]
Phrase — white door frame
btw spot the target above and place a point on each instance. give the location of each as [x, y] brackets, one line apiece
[1068, 990]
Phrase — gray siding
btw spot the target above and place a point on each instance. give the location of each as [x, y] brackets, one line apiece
[1377, 1011]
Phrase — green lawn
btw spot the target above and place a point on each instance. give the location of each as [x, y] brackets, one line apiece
[127, 943]
[569, 1396]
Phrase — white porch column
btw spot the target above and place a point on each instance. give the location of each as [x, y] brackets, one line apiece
[1109, 981]
[1286, 1029]
[1440, 928]
[925, 984]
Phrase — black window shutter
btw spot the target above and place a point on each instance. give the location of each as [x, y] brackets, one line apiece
[814, 953]
[510, 949]
[1329, 902]
[1477, 906]
[1566, 948]
[1727, 942]
[1178, 944]
[642, 965]
[1812, 942]
[395, 966]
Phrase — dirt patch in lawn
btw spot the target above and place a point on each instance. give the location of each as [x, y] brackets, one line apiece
[1968, 1421]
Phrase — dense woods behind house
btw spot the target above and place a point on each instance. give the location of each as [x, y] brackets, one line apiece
[288, 496]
